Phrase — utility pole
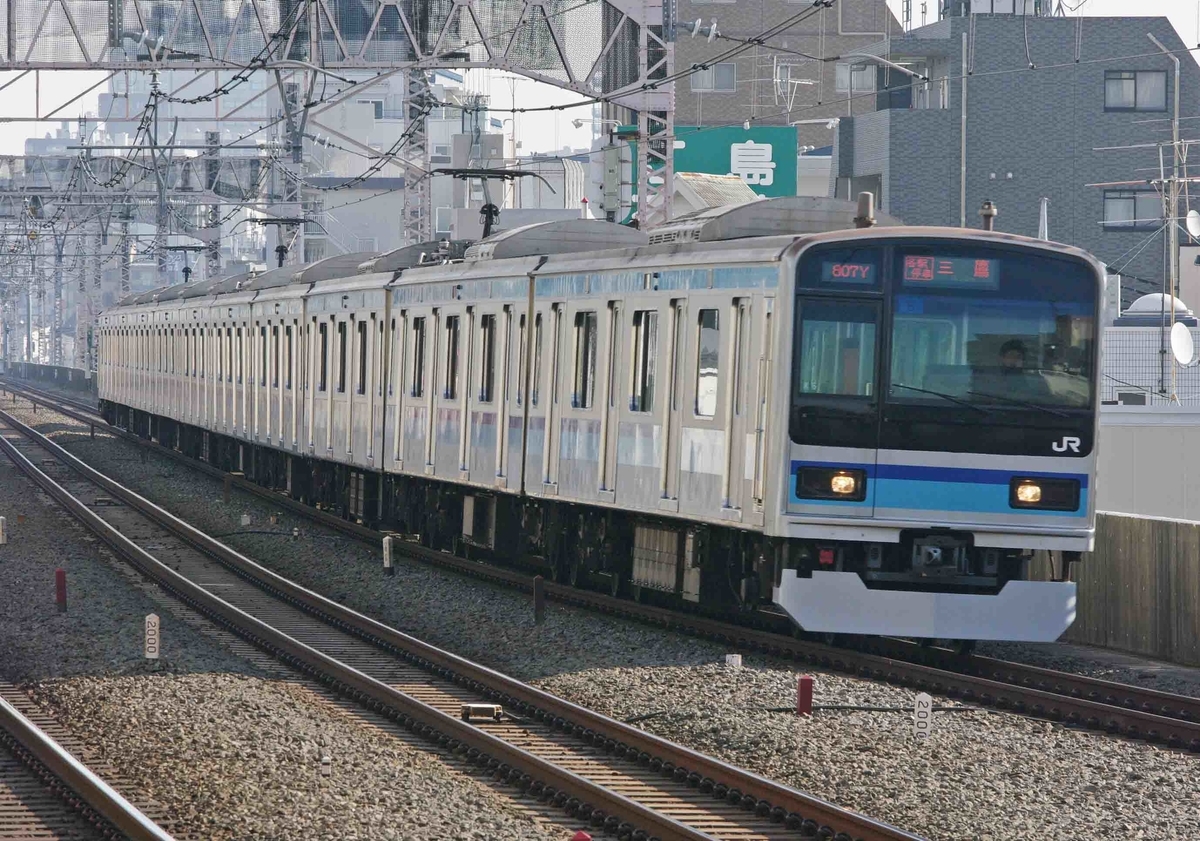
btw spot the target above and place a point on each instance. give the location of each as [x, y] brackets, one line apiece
[1173, 189]
[212, 166]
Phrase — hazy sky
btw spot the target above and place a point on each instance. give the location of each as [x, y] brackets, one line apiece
[544, 132]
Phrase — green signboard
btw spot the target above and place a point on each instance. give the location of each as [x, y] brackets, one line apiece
[764, 156]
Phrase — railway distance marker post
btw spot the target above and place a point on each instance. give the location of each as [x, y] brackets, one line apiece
[153, 641]
[923, 716]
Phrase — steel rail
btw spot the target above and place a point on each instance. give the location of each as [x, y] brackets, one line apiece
[97, 798]
[1078, 700]
[765, 798]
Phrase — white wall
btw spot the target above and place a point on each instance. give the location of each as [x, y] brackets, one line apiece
[812, 175]
[1150, 462]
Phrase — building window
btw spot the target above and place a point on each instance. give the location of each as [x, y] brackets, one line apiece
[441, 220]
[377, 106]
[585, 360]
[418, 369]
[1135, 90]
[717, 77]
[645, 351]
[708, 364]
[860, 75]
[1132, 210]
[487, 382]
[451, 390]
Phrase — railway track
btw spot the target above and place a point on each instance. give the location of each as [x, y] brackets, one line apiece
[46, 793]
[1077, 700]
[604, 773]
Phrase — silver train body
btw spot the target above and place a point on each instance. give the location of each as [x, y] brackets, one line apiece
[715, 416]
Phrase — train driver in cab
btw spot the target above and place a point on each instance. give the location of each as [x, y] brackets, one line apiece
[1013, 377]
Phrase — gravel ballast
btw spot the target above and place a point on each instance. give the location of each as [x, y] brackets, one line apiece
[224, 747]
[275, 734]
[982, 774]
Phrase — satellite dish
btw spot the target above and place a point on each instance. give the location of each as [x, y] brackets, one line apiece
[1182, 345]
[1193, 223]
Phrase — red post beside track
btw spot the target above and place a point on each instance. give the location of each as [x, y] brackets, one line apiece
[804, 695]
[60, 589]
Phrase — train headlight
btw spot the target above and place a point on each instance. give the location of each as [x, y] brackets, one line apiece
[1029, 493]
[840, 483]
[1044, 494]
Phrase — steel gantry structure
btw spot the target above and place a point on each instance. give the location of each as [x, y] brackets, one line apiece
[72, 213]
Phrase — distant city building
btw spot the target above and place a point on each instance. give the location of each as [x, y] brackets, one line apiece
[1045, 132]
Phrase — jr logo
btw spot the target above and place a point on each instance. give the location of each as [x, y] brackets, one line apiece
[1069, 442]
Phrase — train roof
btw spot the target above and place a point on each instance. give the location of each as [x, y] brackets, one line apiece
[411, 256]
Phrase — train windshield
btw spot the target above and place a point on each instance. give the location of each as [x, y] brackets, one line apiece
[991, 328]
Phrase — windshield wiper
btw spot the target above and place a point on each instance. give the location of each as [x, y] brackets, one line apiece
[942, 395]
[1016, 402]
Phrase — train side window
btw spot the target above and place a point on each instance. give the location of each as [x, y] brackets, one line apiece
[708, 358]
[262, 362]
[585, 360]
[229, 354]
[220, 358]
[645, 355]
[287, 371]
[275, 356]
[451, 390]
[537, 358]
[342, 339]
[362, 358]
[418, 365]
[241, 358]
[323, 382]
[487, 382]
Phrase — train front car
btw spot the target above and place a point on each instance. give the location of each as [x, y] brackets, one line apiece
[941, 427]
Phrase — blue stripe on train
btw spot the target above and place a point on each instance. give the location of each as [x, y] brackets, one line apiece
[924, 488]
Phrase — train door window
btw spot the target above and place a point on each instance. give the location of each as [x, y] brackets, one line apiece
[708, 357]
[537, 358]
[287, 371]
[240, 357]
[645, 355]
[323, 382]
[521, 360]
[487, 353]
[275, 356]
[836, 346]
[262, 358]
[187, 352]
[392, 345]
[451, 390]
[614, 330]
[229, 354]
[418, 364]
[740, 353]
[200, 352]
[341, 329]
[362, 358]
[584, 383]
[220, 357]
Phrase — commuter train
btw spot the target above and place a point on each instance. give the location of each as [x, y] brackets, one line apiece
[873, 428]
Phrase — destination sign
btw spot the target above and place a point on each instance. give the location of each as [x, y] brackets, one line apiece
[933, 270]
